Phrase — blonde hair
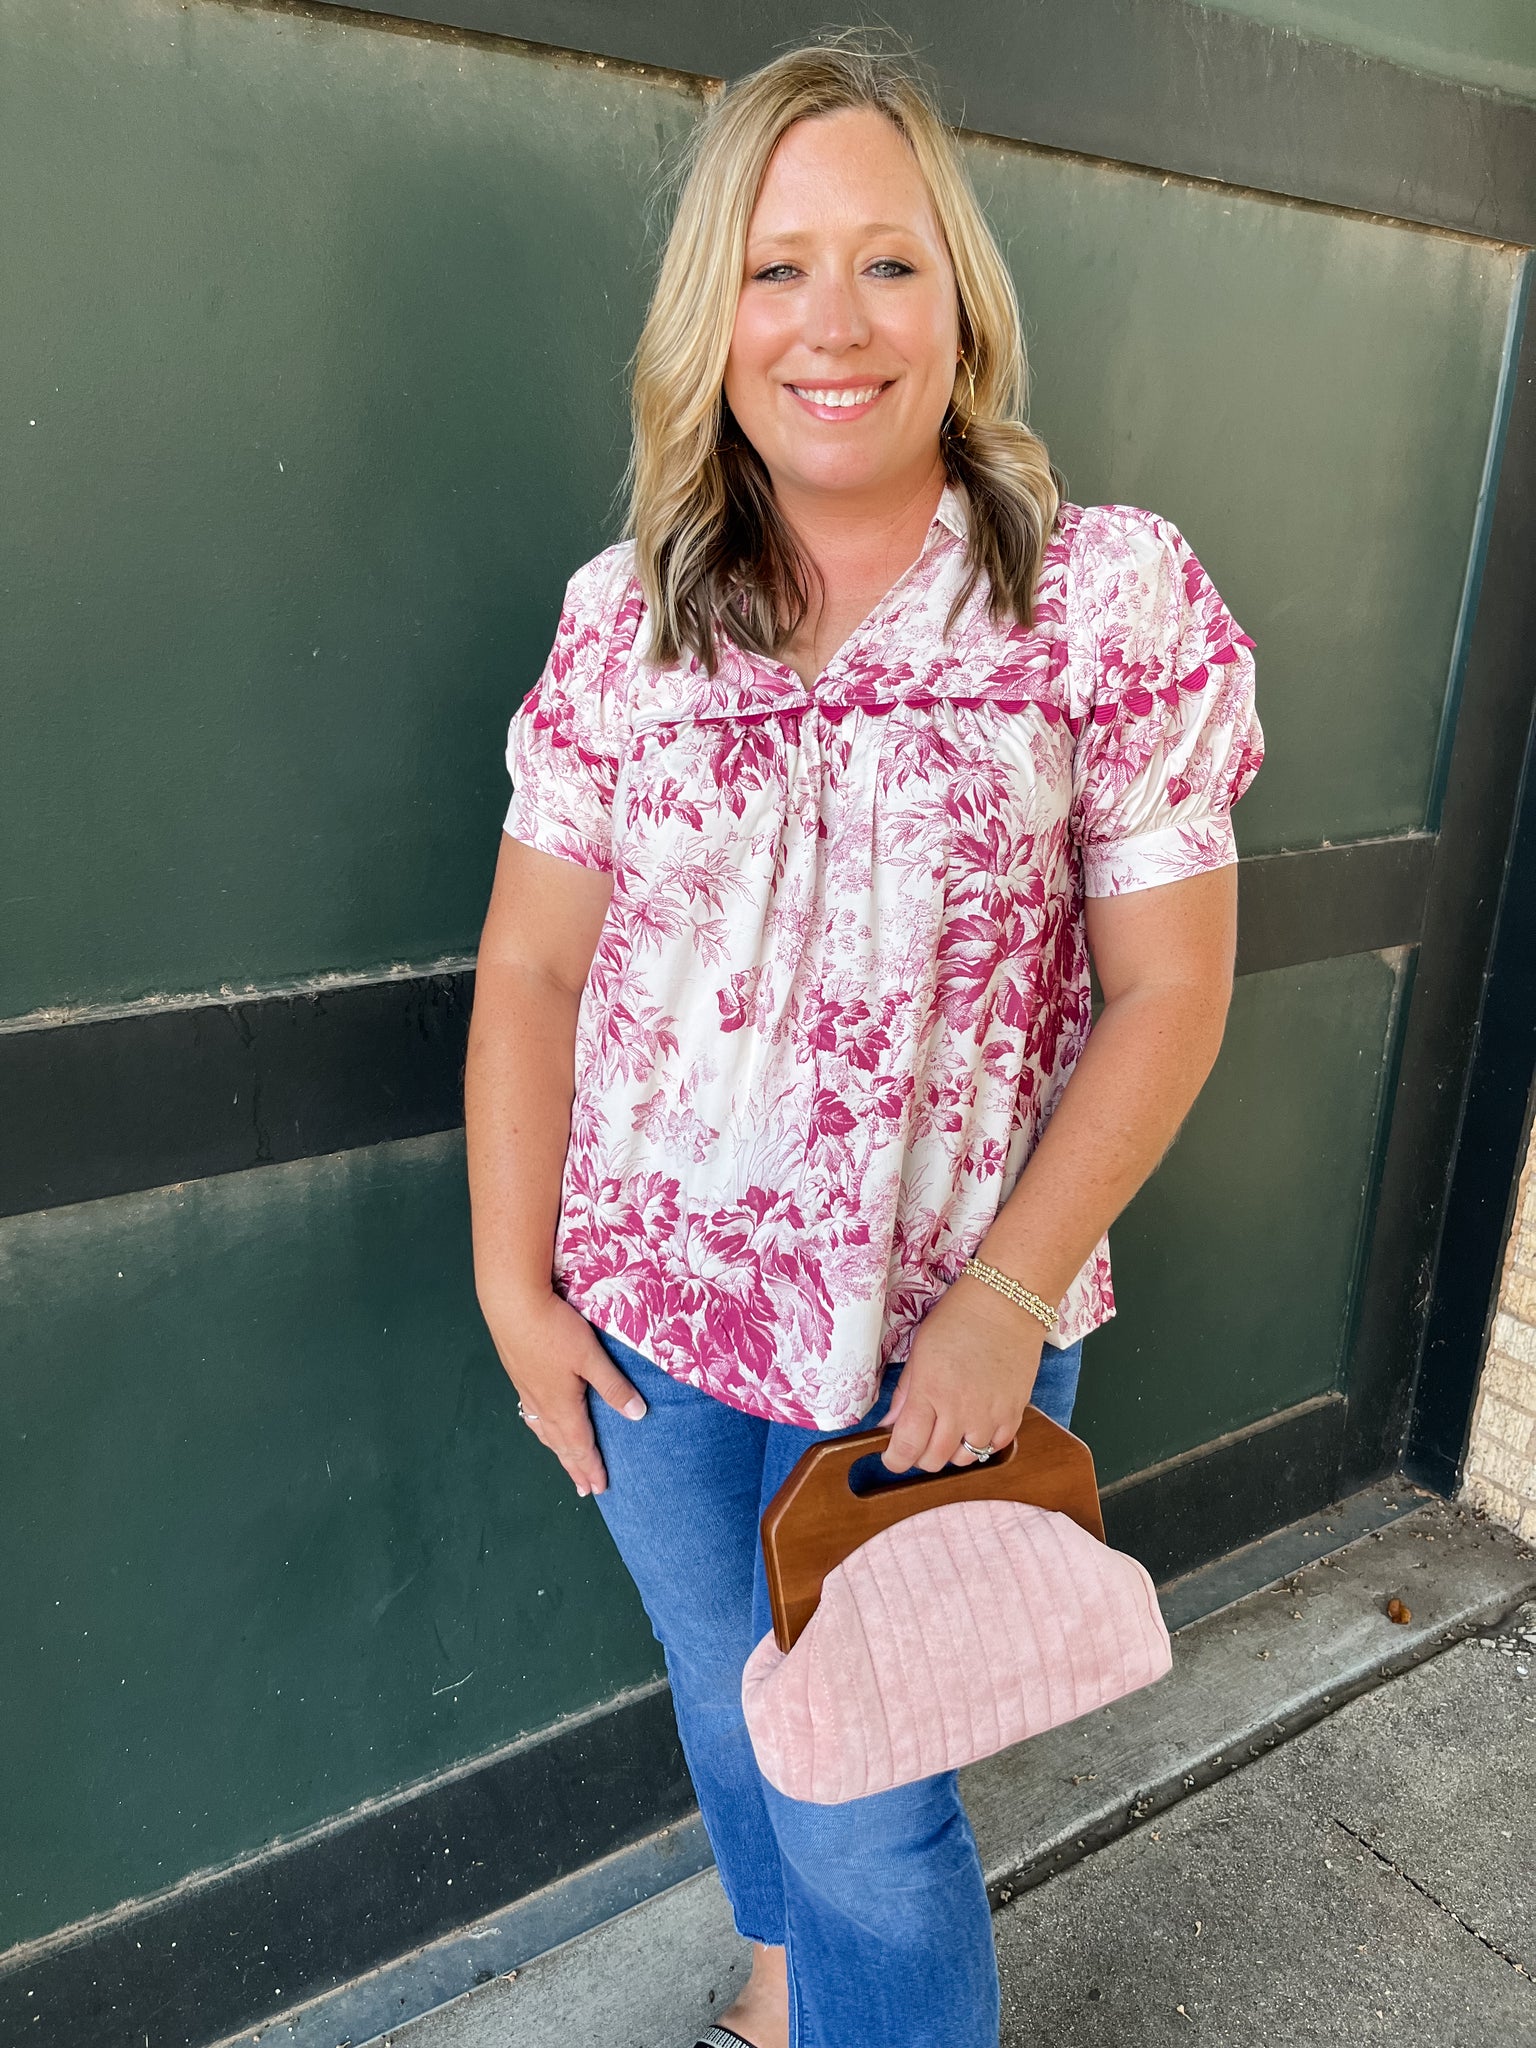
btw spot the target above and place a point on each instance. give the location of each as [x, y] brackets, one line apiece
[711, 548]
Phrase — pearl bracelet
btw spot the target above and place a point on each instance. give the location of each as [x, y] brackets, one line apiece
[1040, 1310]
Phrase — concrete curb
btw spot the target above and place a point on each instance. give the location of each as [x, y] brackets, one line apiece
[1245, 1679]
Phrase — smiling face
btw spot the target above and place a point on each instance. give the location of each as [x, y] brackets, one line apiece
[843, 354]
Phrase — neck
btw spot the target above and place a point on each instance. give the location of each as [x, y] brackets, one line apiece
[851, 534]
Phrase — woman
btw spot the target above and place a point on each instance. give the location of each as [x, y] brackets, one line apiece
[838, 769]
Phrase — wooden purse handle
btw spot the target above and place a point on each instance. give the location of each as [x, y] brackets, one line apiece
[815, 1519]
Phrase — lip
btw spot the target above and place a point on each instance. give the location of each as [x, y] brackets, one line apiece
[835, 415]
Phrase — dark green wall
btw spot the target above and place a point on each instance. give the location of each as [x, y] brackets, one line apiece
[323, 331]
[275, 1539]
[1488, 43]
[322, 327]
[1235, 1267]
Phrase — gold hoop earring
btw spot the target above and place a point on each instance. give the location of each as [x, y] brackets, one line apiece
[970, 378]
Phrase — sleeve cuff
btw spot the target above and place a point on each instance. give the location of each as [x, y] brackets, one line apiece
[1149, 859]
[554, 835]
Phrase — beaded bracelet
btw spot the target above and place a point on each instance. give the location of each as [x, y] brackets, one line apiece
[1040, 1310]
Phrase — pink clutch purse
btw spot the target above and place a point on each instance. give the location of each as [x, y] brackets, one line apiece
[922, 1626]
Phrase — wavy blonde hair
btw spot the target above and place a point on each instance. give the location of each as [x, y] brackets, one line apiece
[711, 548]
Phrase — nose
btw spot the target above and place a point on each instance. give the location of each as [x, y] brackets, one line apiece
[834, 313]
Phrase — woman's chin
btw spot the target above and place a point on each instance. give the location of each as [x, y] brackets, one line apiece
[840, 472]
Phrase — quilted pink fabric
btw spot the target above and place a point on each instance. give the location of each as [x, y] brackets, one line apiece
[963, 1629]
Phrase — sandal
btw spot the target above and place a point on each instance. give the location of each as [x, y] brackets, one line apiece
[722, 2037]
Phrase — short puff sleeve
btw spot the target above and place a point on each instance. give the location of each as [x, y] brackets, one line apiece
[567, 736]
[1169, 737]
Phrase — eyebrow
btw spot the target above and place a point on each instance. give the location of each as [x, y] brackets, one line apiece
[875, 227]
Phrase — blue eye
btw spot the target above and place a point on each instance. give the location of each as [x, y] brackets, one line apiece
[770, 274]
[892, 264]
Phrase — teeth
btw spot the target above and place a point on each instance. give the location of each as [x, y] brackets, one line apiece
[836, 397]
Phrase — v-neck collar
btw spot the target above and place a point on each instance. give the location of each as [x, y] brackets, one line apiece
[950, 521]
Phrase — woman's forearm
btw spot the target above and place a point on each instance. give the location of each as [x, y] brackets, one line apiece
[1146, 1060]
[519, 1082]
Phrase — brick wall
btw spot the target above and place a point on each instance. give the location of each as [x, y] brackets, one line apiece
[1501, 1459]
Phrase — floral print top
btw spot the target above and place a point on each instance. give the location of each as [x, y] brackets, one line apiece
[843, 976]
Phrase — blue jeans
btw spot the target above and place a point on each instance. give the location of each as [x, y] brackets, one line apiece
[878, 1902]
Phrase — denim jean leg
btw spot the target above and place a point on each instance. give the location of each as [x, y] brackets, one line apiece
[1055, 1389]
[881, 1901]
[681, 1506]
[890, 1933]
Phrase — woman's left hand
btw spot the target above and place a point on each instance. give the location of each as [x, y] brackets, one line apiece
[970, 1373]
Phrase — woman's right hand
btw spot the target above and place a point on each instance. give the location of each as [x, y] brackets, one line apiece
[551, 1356]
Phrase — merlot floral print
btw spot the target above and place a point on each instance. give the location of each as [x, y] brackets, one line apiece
[843, 977]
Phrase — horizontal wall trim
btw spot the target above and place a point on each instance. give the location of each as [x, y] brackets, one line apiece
[147, 1097]
[284, 1927]
[175, 1092]
[1366, 897]
[1164, 84]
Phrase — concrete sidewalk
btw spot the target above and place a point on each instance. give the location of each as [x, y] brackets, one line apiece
[1320, 1827]
[1372, 1880]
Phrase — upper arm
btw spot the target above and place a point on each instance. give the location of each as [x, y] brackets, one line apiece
[545, 916]
[1181, 934]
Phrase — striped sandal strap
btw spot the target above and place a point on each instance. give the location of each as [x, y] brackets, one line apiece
[721, 2037]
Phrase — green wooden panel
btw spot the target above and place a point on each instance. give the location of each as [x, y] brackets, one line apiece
[1309, 395]
[1489, 43]
[323, 326]
[1235, 1265]
[313, 396]
[276, 1541]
